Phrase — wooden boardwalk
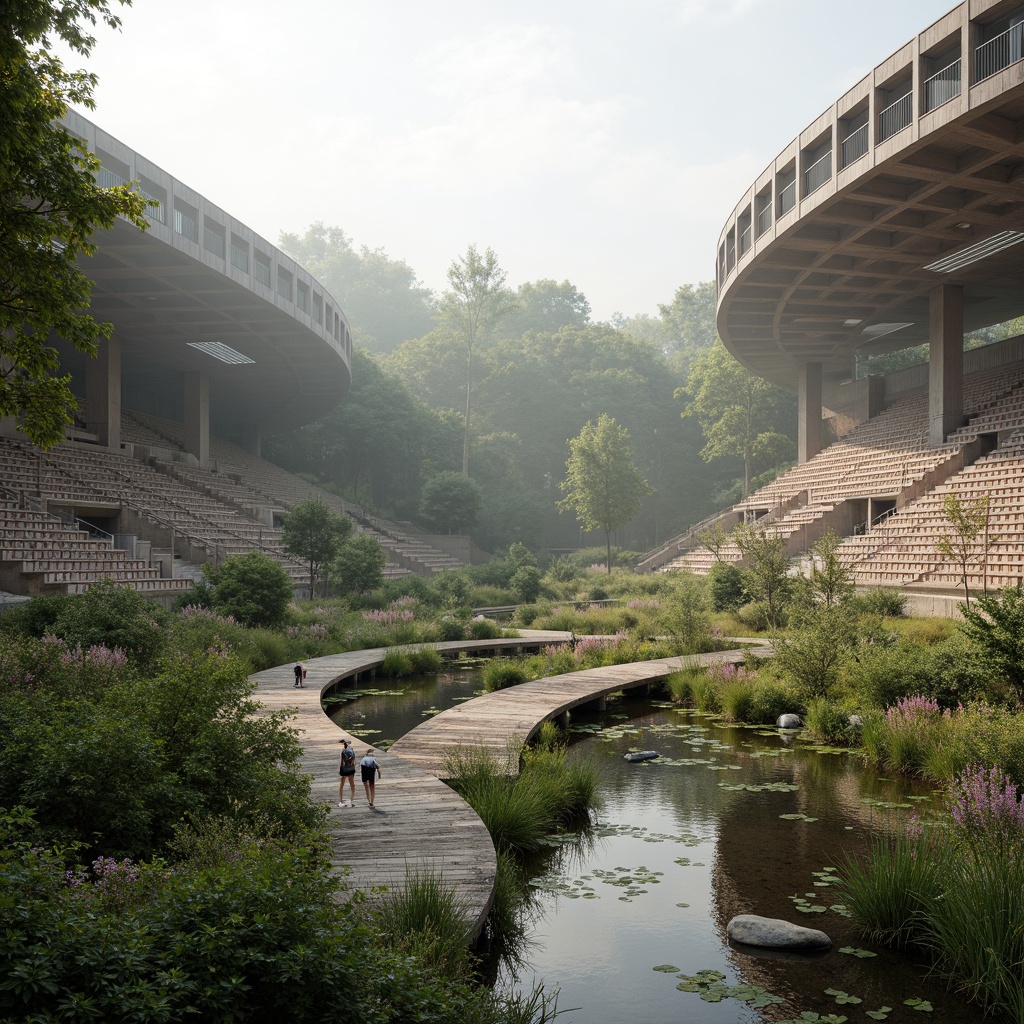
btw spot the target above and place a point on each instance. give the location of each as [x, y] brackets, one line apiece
[493, 721]
[419, 824]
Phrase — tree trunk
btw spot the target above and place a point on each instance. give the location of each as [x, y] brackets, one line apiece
[465, 425]
[608, 550]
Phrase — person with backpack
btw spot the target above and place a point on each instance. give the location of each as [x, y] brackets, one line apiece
[347, 771]
[369, 768]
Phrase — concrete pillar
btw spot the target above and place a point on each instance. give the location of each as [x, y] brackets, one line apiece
[103, 394]
[809, 412]
[197, 416]
[945, 362]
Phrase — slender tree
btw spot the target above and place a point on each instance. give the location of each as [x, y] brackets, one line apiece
[967, 521]
[313, 532]
[740, 414]
[475, 301]
[602, 486]
[50, 207]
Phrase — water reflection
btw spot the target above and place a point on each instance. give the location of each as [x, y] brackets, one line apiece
[729, 821]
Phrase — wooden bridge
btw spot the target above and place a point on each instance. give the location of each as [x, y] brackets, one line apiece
[419, 825]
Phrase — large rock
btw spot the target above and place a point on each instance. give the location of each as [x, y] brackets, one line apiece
[789, 722]
[774, 933]
[641, 755]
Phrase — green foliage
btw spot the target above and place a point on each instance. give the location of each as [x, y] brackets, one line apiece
[812, 655]
[885, 601]
[425, 660]
[757, 700]
[549, 736]
[681, 684]
[830, 582]
[110, 615]
[428, 919]
[358, 567]
[727, 587]
[829, 722]
[602, 486]
[450, 502]
[685, 615]
[382, 299]
[767, 569]
[526, 583]
[475, 302]
[252, 588]
[395, 664]
[500, 673]
[50, 209]
[313, 533]
[882, 673]
[484, 629]
[996, 626]
[968, 520]
[741, 414]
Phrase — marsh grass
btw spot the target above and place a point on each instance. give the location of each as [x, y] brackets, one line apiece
[425, 660]
[500, 673]
[396, 664]
[429, 920]
[829, 722]
[549, 736]
[680, 684]
[887, 893]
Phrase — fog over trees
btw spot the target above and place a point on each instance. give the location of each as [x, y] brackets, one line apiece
[540, 369]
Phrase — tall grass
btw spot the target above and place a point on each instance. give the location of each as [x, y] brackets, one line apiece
[425, 660]
[395, 664]
[427, 919]
[500, 673]
[521, 812]
[956, 890]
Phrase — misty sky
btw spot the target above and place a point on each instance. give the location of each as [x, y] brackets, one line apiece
[602, 141]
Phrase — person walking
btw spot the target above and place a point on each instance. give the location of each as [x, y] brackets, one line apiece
[369, 769]
[300, 673]
[347, 771]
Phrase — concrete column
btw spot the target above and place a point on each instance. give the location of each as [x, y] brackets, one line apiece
[103, 394]
[945, 362]
[809, 412]
[197, 416]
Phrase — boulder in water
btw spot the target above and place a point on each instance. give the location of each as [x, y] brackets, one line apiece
[774, 933]
[642, 755]
[789, 722]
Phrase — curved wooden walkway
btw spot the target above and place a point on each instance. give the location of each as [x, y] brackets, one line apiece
[494, 720]
[419, 823]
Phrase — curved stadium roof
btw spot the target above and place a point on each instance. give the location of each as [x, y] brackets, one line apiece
[200, 291]
[912, 179]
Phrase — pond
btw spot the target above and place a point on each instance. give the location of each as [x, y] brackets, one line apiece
[728, 821]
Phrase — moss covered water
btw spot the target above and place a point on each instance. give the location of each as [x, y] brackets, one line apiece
[631, 924]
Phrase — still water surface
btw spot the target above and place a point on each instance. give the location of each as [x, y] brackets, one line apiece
[728, 821]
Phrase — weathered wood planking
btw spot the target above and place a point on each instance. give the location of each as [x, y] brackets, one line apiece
[418, 824]
[493, 721]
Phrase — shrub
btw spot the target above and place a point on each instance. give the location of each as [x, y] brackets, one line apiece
[425, 660]
[500, 673]
[396, 664]
[996, 625]
[885, 601]
[526, 614]
[725, 581]
[358, 566]
[754, 616]
[526, 583]
[548, 736]
[829, 722]
[680, 684]
[883, 674]
[812, 654]
[253, 588]
[484, 629]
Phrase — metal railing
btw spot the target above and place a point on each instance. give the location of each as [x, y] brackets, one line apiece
[764, 220]
[730, 254]
[213, 242]
[943, 86]
[745, 239]
[818, 173]
[186, 225]
[153, 212]
[106, 178]
[1005, 49]
[787, 197]
[896, 117]
[261, 272]
[855, 145]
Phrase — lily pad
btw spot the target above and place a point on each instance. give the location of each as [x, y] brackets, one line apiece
[880, 1014]
[862, 953]
[666, 969]
[919, 1004]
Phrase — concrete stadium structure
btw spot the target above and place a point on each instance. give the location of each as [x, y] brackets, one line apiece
[219, 338]
[895, 218]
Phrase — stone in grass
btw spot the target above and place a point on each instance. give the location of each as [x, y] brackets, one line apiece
[789, 722]
[774, 933]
